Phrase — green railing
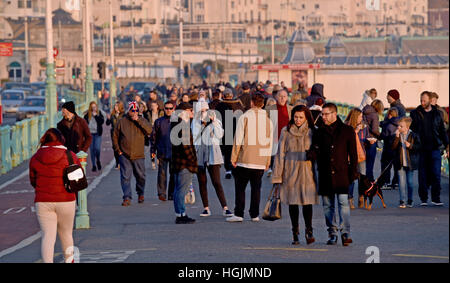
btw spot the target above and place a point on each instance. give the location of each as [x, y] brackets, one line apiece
[344, 109]
[20, 141]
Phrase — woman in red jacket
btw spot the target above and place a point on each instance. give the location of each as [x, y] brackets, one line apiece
[55, 207]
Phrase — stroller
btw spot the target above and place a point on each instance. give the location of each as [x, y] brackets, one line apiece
[368, 190]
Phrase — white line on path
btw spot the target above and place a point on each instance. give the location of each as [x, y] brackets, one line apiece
[28, 241]
[23, 174]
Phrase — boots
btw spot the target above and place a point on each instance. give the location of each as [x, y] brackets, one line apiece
[309, 236]
[350, 202]
[295, 232]
[361, 202]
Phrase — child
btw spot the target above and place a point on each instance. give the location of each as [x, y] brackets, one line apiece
[406, 146]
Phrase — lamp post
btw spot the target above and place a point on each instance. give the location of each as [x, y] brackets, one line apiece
[181, 46]
[82, 215]
[89, 85]
[112, 83]
[50, 92]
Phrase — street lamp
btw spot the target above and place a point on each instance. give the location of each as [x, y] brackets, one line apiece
[50, 93]
[181, 71]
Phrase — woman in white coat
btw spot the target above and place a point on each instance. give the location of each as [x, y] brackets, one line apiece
[293, 170]
[207, 133]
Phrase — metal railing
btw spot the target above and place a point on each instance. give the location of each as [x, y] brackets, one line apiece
[345, 108]
[20, 141]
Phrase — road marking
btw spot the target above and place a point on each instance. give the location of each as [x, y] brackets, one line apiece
[23, 174]
[426, 256]
[101, 256]
[289, 249]
[28, 241]
[16, 192]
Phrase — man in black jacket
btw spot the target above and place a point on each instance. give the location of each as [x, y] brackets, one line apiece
[428, 124]
[334, 146]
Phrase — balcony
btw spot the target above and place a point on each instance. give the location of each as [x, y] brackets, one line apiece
[131, 7]
[314, 24]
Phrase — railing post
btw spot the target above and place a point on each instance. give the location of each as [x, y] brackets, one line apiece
[15, 145]
[5, 139]
[82, 215]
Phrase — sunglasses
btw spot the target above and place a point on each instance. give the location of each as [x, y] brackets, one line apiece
[169, 108]
[134, 111]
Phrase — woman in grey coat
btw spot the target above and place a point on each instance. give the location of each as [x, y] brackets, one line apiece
[293, 170]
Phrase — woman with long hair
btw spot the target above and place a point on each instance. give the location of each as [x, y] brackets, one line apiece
[371, 117]
[116, 114]
[293, 170]
[95, 120]
[55, 207]
[355, 120]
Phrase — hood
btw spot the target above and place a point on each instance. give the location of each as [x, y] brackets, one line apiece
[368, 109]
[317, 89]
[51, 154]
[316, 108]
[394, 121]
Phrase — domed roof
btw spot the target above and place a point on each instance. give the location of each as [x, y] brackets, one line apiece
[300, 49]
[335, 46]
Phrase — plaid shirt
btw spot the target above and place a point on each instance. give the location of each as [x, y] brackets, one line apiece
[183, 155]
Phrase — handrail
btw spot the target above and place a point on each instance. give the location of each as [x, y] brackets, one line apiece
[20, 141]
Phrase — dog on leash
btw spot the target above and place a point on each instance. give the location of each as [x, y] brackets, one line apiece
[367, 191]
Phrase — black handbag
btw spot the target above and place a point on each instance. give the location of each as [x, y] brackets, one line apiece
[74, 177]
[272, 210]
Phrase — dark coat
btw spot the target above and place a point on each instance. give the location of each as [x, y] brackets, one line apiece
[419, 126]
[160, 138]
[213, 104]
[113, 121]
[183, 155]
[78, 137]
[334, 147]
[400, 108]
[412, 153]
[316, 92]
[372, 120]
[246, 99]
[100, 121]
[233, 105]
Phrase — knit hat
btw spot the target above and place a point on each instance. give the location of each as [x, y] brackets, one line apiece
[132, 106]
[69, 106]
[394, 94]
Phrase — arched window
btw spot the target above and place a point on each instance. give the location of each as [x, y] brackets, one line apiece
[15, 71]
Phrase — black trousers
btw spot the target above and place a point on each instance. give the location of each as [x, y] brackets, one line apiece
[241, 178]
[307, 215]
[162, 178]
[214, 174]
[227, 150]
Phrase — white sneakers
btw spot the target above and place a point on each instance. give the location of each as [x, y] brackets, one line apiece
[256, 219]
[235, 218]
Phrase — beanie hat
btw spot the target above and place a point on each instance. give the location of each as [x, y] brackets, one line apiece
[394, 94]
[69, 106]
[132, 106]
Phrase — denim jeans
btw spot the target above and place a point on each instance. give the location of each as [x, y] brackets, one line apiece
[430, 175]
[361, 170]
[405, 181]
[95, 148]
[330, 214]
[371, 154]
[183, 180]
[162, 178]
[127, 168]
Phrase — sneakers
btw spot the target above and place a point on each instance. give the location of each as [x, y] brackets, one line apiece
[424, 203]
[141, 199]
[126, 202]
[402, 205]
[205, 213]
[228, 175]
[410, 203]
[437, 203]
[162, 198]
[117, 167]
[235, 219]
[255, 219]
[153, 166]
[269, 173]
[184, 220]
[227, 213]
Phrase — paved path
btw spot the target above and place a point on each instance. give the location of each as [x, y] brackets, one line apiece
[147, 232]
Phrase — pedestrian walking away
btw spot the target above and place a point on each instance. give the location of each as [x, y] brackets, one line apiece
[250, 157]
[184, 160]
[95, 119]
[161, 148]
[335, 147]
[293, 170]
[207, 133]
[129, 142]
[55, 207]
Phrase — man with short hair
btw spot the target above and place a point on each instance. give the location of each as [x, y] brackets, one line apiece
[428, 124]
[393, 97]
[74, 129]
[246, 97]
[216, 99]
[161, 147]
[129, 142]
[250, 157]
[334, 146]
[154, 98]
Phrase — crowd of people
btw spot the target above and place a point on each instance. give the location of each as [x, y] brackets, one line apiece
[296, 137]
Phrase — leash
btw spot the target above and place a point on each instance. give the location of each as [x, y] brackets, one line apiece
[382, 173]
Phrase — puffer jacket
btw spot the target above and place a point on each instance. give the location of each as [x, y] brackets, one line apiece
[46, 173]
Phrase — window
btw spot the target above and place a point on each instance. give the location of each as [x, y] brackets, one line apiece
[317, 6]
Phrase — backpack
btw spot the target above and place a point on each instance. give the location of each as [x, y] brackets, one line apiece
[74, 177]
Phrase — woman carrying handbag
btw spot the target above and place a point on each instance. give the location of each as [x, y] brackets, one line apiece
[293, 170]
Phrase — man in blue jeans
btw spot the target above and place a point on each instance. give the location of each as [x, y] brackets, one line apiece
[334, 147]
[128, 142]
[428, 124]
[184, 159]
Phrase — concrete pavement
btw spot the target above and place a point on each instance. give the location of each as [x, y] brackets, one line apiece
[148, 233]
